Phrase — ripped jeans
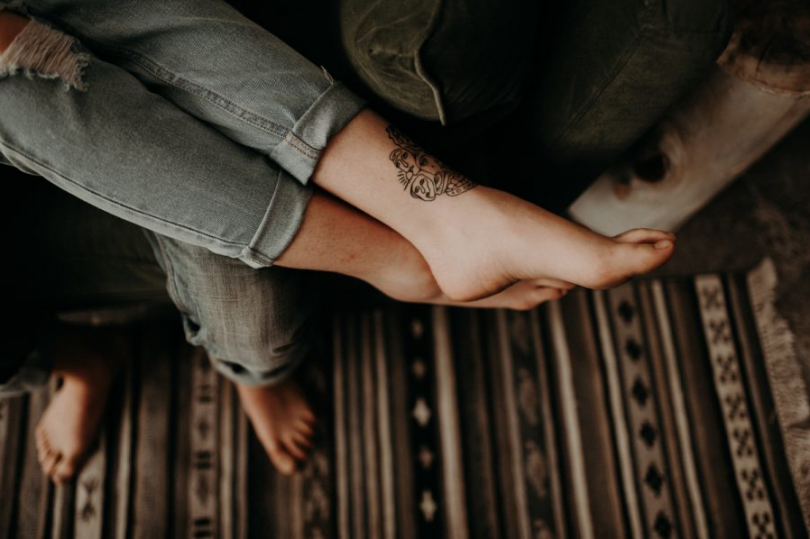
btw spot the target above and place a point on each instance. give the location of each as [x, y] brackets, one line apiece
[145, 113]
[204, 128]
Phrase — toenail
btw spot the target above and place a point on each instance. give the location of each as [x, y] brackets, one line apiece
[663, 244]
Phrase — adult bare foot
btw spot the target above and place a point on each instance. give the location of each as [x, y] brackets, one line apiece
[502, 239]
[86, 360]
[282, 420]
[407, 277]
[336, 237]
[521, 296]
[476, 240]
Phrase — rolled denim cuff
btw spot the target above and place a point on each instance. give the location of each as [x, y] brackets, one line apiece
[248, 376]
[251, 373]
[301, 149]
[280, 223]
[35, 370]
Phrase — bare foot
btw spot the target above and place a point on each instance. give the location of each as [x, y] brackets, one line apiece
[492, 240]
[282, 420]
[402, 273]
[477, 240]
[86, 361]
[521, 296]
[416, 284]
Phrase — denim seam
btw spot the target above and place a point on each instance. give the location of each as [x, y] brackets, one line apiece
[438, 9]
[274, 376]
[251, 246]
[171, 276]
[116, 203]
[609, 80]
[434, 87]
[297, 143]
[171, 78]
[414, 56]
[251, 118]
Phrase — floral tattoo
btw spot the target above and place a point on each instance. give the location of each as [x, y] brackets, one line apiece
[423, 175]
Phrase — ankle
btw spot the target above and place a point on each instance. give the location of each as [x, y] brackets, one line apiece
[406, 276]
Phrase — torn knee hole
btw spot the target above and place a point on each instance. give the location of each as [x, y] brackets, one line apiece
[37, 50]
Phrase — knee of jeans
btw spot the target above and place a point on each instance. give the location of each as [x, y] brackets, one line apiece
[441, 61]
[34, 49]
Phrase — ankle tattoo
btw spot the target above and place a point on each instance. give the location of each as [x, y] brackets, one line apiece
[422, 174]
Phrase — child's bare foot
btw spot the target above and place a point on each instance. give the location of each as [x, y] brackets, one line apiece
[86, 360]
[282, 420]
[492, 239]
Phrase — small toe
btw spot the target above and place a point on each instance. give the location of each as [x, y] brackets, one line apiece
[42, 454]
[42, 438]
[293, 449]
[309, 416]
[554, 283]
[547, 294]
[302, 440]
[644, 235]
[64, 471]
[283, 462]
[50, 463]
[304, 427]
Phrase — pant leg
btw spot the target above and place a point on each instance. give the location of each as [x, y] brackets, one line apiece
[606, 73]
[225, 70]
[220, 67]
[72, 256]
[134, 154]
[256, 324]
[445, 60]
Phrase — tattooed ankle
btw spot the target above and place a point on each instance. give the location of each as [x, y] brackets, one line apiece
[424, 176]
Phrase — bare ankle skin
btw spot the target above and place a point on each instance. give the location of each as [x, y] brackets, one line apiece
[476, 240]
[336, 237]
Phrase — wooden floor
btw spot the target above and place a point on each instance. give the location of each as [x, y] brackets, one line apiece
[645, 411]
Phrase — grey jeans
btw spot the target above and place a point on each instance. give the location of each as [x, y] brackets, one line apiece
[204, 128]
[196, 124]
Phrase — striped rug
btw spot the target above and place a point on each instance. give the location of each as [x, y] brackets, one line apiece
[654, 410]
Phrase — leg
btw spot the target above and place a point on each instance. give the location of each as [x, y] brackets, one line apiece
[73, 256]
[606, 74]
[190, 179]
[257, 327]
[86, 360]
[218, 66]
[409, 54]
[476, 240]
[341, 176]
[150, 163]
[253, 323]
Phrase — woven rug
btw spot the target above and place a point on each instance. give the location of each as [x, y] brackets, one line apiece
[662, 409]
